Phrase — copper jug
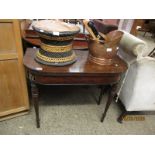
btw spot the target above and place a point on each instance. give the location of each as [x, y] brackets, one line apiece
[103, 52]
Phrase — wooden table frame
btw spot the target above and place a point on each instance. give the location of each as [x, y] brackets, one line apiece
[82, 72]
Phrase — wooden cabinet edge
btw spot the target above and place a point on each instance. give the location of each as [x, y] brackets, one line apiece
[10, 116]
[18, 41]
[6, 20]
[12, 111]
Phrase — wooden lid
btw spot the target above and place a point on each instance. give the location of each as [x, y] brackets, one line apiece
[51, 26]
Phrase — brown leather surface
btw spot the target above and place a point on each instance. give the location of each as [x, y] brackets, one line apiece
[54, 26]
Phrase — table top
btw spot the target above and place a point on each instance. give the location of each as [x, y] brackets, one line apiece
[82, 66]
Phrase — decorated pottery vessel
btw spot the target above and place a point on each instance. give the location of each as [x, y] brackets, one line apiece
[56, 42]
[103, 52]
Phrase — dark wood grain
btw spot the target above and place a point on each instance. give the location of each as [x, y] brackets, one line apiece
[81, 66]
[110, 98]
[35, 94]
[86, 80]
[83, 71]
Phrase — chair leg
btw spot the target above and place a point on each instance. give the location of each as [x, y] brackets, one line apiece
[121, 117]
[144, 33]
[152, 52]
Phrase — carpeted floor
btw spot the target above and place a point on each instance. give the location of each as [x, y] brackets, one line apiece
[73, 110]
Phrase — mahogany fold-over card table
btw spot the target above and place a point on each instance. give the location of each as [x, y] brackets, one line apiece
[82, 72]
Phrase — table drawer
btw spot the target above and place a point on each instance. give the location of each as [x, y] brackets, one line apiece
[76, 79]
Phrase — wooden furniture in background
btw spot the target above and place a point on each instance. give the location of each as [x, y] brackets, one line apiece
[140, 25]
[13, 88]
[143, 25]
[106, 25]
[82, 72]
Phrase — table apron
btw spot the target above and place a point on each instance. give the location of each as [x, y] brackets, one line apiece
[76, 79]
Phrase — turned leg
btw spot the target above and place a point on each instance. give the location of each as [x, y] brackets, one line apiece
[103, 89]
[112, 92]
[101, 95]
[35, 94]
